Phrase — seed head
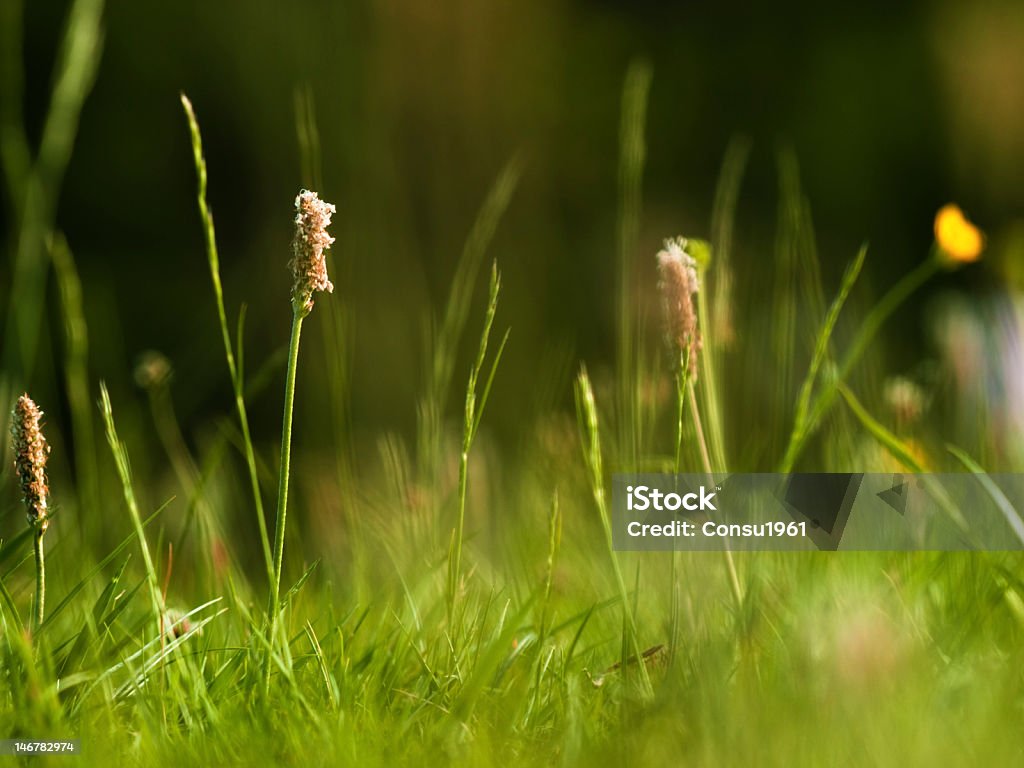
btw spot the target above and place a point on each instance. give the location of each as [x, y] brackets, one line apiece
[678, 283]
[177, 624]
[30, 452]
[309, 267]
[152, 370]
[905, 399]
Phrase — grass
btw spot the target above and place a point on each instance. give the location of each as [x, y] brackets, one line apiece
[489, 621]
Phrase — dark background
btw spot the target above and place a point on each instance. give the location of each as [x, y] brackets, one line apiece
[892, 109]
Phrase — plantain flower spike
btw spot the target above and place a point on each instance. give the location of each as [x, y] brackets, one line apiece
[678, 283]
[308, 265]
[30, 452]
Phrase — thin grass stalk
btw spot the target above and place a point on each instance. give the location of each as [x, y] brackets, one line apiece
[865, 335]
[554, 542]
[709, 384]
[76, 379]
[730, 563]
[40, 601]
[723, 219]
[821, 348]
[444, 342]
[591, 435]
[474, 409]
[286, 459]
[236, 376]
[681, 378]
[632, 152]
[698, 426]
[124, 473]
[905, 455]
[284, 472]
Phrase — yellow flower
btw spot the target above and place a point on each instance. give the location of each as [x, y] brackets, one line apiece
[960, 241]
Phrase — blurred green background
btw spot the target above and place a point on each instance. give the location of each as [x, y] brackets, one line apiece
[891, 110]
[873, 116]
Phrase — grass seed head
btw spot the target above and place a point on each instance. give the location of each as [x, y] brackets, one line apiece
[176, 624]
[678, 283]
[905, 399]
[152, 370]
[309, 267]
[30, 452]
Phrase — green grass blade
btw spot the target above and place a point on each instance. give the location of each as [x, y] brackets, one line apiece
[821, 346]
[76, 380]
[900, 451]
[632, 154]
[233, 370]
[475, 402]
[81, 583]
[13, 545]
[1005, 506]
[586, 408]
[444, 344]
[124, 473]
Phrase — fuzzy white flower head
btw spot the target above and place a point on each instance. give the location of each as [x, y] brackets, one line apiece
[678, 283]
[309, 267]
[30, 453]
[675, 251]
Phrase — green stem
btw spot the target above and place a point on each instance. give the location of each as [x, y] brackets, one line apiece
[455, 560]
[680, 411]
[40, 578]
[710, 386]
[674, 565]
[236, 375]
[869, 329]
[282, 483]
[881, 311]
[730, 563]
[586, 409]
[632, 152]
[698, 426]
[124, 473]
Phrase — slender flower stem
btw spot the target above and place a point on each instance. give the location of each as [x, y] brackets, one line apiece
[681, 379]
[40, 578]
[730, 563]
[309, 273]
[699, 427]
[680, 413]
[708, 377]
[282, 482]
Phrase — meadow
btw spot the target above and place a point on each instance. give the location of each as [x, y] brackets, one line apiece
[450, 595]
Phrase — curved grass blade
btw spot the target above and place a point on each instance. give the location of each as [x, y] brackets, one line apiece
[993, 490]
